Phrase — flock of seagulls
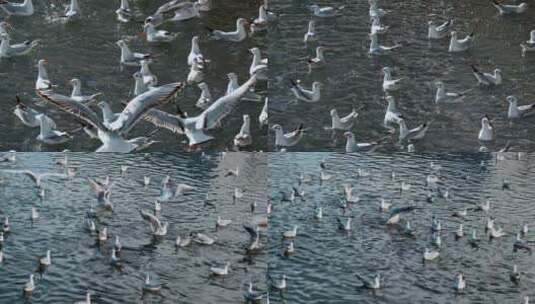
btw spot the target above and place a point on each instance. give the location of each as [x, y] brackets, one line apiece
[107, 237]
[397, 212]
[395, 122]
[112, 129]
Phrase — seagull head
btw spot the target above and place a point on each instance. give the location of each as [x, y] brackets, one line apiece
[137, 75]
[75, 82]
[439, 84]
[348, 134]
[512, 99]
[276, 127]
[334, 113]
[120, 43]
[453, 34]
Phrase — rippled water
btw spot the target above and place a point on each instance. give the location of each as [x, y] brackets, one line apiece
[87, 50]
[325, 262]
[353, 78]
[78, 264]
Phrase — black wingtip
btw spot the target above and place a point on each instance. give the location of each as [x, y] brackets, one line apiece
[209, 29]
[301, 127]
[293, 83]
[474, 68]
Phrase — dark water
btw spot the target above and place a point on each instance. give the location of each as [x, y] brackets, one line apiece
[87, 50]
[353, 78]
[325, 261]
[78, 264]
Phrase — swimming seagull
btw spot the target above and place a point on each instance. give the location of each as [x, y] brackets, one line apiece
[76, 93]
[350, 195]
[430, 255]
[238, 35]
[187, 10]
[514, 276]
[487, 79]
[406, 134]
[280, 285]
[149, 79]
[157, 227]
[130, 58]
[194, 127]
[156, 36]
[87, 299]
[42, 82]
[521, 244]
[377, 27]
[392, 114]
[30, 285]
[303, 94]
[26, 114]
[263, 117]
[346, 226]
[289, 249]
[515, 111]
[111, 134]
[370, 284]
[4, 28]
[205, 100]
[151, 286]
[377, 49]
[222, 223]
[244, 138]
[258, 65]
[18, 9]
[325, 11]
[203, 239]
[460, 283]
[343, 123]
[260, 23]
[8, 50]
[72, 12]
[289, 139]
[395, 214]
[443, 96]
[220, 271]
[506, 9]
[486, 133]
[46, 260]
[496, 232]
[252, 296]
[310, 35]
[439, 31]
[171, 190]
[290, 234]
[460, 45]
[353, 146]
[389, 83]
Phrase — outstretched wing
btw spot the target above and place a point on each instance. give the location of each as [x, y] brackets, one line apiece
[165, 120]
[138, 106]
[68, 105]
[223, 106]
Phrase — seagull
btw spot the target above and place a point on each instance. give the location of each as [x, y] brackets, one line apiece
[439, 31]
[318, 213]
[474, 240]
[6, 227]
[30, 285]
[263, 117]
[203, 239]
[149, 78]
[87, 299]
[222, 223]
[486, 133]
[187, 10]
[374, 10]
[459, 233]
[205, 100]
[46, 260]
[18, 9]
[72, 12]
[244, 138]
[180, 243]
[258, 65]
[130, 58]
[194, 127]
[220, 271]
[377, 27]
[344, 226]
[527, 48]
[460, 283]
[171, 190]
[460, 45]
[324, 11]
[117, 246]
[103, 234]
[289, 249]
[26, 114]
[232, 83]
[384, 206]
[343, 123]
[353, 146]
[319, 60]
[430, 255]
[124, 13]
[442, 96]
[238, 35]
[521, 244]
[487, 79]
[252, 296]
[303, 94]
[290, 234]
[1, 256]
[151, 286]
[289, 139]
[281, 285]
[4, 28]
[48, 134]
[392, 114]
[506, 9]
[157, 227]
[370, 284]
[260, 23]
[350, 195]
[394, 216]
[8, 50]
[196, 74]
[390, 84]
[156, 36]
[310, 35]
[42, 83]
[111, 134]
[496, 232]
[514, 276]
[76, 93]
[376, 48]
[406, 134]
[195, 54]
[516, 111]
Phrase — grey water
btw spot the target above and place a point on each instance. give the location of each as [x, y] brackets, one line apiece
[86, 50]
[352, 78]
[79, 264]
[325, 262]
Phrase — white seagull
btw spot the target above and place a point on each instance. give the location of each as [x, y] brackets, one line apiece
[303, 94]
[486, 133]
[289, 139]
[238, 35]
[460, 45]
[507, 9]
[439, 31]
[18, 9]
[377, 49]
[487, 79]
[515, 111]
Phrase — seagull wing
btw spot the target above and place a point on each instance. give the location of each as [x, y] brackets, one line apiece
[165, 120]
[137, 107]
[252, 232]
[153, 220]
[210, 118]
[68, 105]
